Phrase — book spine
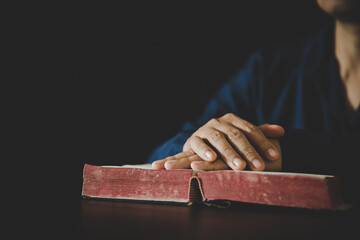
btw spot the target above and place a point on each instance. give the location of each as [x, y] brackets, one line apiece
[195, 190]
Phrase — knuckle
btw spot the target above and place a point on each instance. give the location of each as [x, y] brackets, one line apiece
[170, 158]
[251, 129]
[235, 133]
[191, 140]
[249, 153]
[229, 115]
[213, 121]
[200, 130]
[228, 152]
[265, 144]
[215, 135]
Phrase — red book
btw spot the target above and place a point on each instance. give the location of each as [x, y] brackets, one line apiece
[132, 182]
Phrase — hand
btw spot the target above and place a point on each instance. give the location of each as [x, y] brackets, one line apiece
[219, 164]
[190, 159]
[236, 142]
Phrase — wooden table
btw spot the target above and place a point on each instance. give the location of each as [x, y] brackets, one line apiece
[129, 220]
[61, 213]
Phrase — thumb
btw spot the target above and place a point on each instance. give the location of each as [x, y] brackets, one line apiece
[272, 130]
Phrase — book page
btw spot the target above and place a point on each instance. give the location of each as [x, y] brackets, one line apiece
[148, 166]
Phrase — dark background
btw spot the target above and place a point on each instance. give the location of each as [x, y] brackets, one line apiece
[125, 78]
[118, 80]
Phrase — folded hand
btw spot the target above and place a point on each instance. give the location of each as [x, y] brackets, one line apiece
[229, 142]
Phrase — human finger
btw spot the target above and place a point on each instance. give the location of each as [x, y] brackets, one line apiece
[242, 145]
[226, 151]
[182, 163]
[218, 164]
[272, 130]
[204, 151]
[160, 164]
[257, 138]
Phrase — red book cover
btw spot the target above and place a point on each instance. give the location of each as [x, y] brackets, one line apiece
[273, 188]
[186, 186]
[136, 183]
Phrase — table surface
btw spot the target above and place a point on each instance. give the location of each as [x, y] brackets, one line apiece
[68, 216]
[101, 219]
[76, 218]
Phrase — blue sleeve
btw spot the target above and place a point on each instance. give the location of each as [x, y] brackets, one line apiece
[236, 96]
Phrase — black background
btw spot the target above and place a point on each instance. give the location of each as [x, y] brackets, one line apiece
[118, 80]
[124, 78]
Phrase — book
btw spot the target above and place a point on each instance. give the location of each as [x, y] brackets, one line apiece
[140, 182]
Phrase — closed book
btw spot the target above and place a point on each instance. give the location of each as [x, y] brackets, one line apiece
[140, 182]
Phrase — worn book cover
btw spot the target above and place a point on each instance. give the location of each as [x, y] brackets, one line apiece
[140, 182]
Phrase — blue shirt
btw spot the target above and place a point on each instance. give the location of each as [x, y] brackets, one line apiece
[297, 86]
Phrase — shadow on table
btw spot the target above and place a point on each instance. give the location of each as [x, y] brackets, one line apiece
[137, 220]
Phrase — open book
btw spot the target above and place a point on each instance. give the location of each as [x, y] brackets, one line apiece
[140, 182]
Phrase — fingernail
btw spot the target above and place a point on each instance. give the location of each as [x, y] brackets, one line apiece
[272, 152]
[256, 163]
[158, 164]
[237, 162]
[208, 155]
